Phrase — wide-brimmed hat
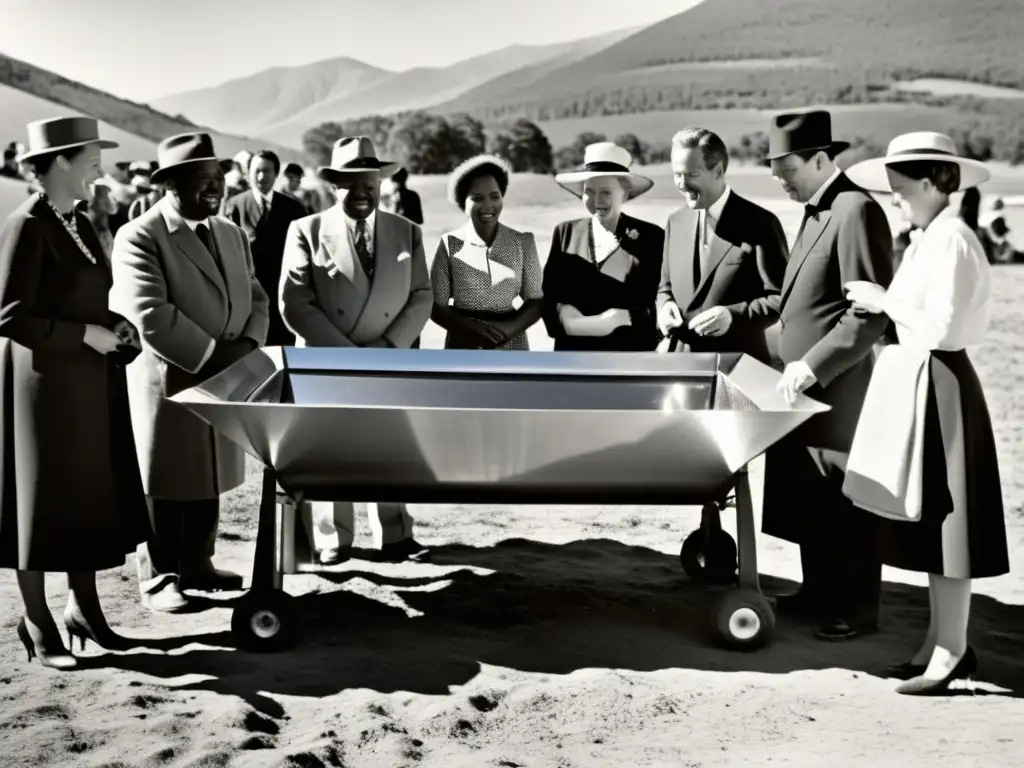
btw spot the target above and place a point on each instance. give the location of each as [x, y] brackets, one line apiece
[181, 150]
[910, 147]
[802, 132]
[60, 133]
[605, 158]
[499, 164]
[352, 155]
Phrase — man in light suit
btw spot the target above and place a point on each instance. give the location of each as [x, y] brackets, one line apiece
[355, 276]
[826, 345]
[724, 260]
[185, 279]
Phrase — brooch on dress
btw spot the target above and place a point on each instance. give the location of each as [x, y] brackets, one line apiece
[632, 234]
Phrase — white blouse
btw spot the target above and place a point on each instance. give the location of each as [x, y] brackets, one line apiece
[940, 297]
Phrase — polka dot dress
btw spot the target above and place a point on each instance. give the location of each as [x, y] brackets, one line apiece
[477, 279]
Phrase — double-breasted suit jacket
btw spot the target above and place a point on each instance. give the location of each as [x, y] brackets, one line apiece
[183, 299]
[267, 235]
[328, 301]
[744, 274]
[848, 239]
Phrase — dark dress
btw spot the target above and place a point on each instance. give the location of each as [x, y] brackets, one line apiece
[70, 495]
[572, 276]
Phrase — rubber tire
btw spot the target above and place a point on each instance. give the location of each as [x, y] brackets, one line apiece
[264, 622]
[714, 561]
[742, 620]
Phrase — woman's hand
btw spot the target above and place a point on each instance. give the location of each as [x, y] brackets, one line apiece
[490, 334]
[100, 339]
[617, 318]
[865, 296]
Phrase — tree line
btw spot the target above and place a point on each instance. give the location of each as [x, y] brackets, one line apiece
[425, 143]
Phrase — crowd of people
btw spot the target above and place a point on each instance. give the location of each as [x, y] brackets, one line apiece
[99, 462]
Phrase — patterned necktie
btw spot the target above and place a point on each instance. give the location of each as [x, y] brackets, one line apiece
[362, 249]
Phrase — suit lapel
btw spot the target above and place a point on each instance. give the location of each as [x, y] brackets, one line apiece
[386, 249]
[684, 252]
[232, 262]
[720, 248]
[812, 232]
[188, 242]
[252, 209]
[334, 241]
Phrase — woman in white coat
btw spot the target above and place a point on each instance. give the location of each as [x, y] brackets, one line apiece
[924, 454]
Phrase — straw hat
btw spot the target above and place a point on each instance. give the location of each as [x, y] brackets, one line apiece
[353, 155]
[183, 149]
[605, 159]
[466, 167]
[916, 146]
[60, 133]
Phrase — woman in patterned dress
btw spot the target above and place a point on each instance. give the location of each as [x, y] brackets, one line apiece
[481, 269]
[71, 496]
[924, 454]
[602, 274]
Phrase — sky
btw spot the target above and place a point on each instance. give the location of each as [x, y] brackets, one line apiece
[145, 49]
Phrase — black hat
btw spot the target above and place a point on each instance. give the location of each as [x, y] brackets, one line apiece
[802, 132]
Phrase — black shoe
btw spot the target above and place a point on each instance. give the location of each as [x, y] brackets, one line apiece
[211, 580]
[800, 603]
[840, 630]
[966, 669]
[906, 670]
[401, 550]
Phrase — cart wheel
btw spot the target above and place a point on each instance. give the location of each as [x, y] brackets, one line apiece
[264, 621]
[743, 619]
[709, 558]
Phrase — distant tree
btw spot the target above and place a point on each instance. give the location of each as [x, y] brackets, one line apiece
[566, 158]
[524, 145]
[466, 138]
[420, 142]
[319, 141]
[752, 148]
[633, 144]
[659, 153]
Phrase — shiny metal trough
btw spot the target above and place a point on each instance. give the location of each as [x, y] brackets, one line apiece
[470, 426]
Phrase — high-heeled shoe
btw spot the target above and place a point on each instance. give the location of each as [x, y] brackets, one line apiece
[61, 660]
[965, 669]
[906, 670]
[79, 627]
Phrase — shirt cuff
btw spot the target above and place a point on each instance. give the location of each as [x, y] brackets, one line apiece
[209, 351]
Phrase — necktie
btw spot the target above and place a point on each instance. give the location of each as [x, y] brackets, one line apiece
[264, 207]
[362, 249]
[203, 232]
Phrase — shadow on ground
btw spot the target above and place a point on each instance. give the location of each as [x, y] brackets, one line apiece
[541, 608]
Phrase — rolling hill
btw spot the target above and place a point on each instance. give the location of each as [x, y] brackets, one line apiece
[30, 93]
[285, 102]
[771, 53]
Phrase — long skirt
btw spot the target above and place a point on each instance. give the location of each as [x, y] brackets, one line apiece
[962, 532]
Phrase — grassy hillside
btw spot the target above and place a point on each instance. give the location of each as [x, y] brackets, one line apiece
[727, 53]
[56, 96]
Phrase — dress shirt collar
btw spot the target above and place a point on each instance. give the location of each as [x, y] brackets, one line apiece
[716, 208]
[371, 222]
[816, 197]
[193, 223]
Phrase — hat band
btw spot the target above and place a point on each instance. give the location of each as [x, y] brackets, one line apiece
[369, 163]
[605, 166]
[923, 152]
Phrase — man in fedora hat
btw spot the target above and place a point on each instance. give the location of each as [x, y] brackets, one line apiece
[356, 276]
[724, 260]
[185, 278]
[826, 344]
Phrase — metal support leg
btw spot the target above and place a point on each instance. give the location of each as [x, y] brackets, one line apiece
[288, 522]
[265, 575]
[746, 533]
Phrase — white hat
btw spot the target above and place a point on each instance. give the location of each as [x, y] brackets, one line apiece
[916, 146]
[499, 164]
[605, 159]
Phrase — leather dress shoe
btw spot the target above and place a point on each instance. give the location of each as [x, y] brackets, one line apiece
[799, 603]
[211, 580]
[401, 550]
[334, 555]
[840, 630]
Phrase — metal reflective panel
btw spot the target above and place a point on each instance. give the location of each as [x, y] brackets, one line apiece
[470, 425]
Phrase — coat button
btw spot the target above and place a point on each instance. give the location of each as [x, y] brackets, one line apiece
[229, 336]
[341, 311]
[386, 315]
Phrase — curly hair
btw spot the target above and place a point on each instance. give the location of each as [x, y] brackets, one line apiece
[483, 171]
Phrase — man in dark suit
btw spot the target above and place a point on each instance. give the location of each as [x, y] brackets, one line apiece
[407, 203]
[724, 258]
[826, 344]
[265, 216]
